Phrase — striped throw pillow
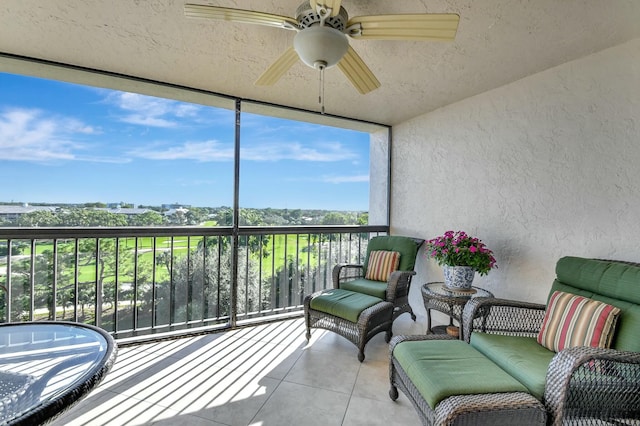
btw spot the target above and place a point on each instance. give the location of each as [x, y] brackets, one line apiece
[572, 320]
[381, 264]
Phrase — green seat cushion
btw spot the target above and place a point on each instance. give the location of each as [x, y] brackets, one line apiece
[343, 303]
[407, 247]
[443, 368]
[372, 288]
[521, 357]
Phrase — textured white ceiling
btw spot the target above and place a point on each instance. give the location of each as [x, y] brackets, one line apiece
[498, 41]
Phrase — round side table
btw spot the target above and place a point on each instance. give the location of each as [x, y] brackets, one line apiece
[449, 301]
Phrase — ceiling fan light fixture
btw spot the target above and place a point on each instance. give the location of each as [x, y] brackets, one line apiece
[322, 28]
[320, 46]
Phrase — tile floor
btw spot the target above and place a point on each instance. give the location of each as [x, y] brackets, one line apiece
[263, 375]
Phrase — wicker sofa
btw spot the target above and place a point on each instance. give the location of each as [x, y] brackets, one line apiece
[576, 385]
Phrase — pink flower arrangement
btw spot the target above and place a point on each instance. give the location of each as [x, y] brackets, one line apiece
[459, 249]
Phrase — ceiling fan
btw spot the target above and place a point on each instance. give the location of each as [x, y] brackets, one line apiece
[321, 41]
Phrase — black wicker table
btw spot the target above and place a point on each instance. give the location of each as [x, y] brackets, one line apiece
[437, 296]
[46, 367]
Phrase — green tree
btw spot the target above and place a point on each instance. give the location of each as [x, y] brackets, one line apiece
[224, 216]
[42, 278]
[199, 288]
[114, 264]
[38, 218]
[212, 243]
[16, 247]
[91, 217]
[335, 218]
[149, 218]
[179, 217]
[195, 216]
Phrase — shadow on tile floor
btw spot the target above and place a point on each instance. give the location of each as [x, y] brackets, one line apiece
[266, 375]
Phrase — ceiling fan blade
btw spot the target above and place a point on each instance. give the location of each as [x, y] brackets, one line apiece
[334, 5]
[433, 26]
[239, 15]
[278, 68]
[358, 72]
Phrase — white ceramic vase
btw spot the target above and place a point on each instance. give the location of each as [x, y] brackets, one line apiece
[458, 277]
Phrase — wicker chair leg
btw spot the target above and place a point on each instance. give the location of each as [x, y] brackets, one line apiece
[393, 393]
[399, 310]
[307, 320]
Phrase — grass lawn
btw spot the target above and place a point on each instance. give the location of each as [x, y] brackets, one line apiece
[279, 248]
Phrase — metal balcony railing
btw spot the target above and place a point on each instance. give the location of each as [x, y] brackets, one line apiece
[142, 281]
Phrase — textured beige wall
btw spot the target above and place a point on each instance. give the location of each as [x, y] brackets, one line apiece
[541, 168]
[379, 175]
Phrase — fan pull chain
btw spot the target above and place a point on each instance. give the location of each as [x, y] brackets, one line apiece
[321, 90]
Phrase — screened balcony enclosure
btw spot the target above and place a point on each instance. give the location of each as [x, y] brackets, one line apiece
[146, 271]
[537, 157]
[206, 307]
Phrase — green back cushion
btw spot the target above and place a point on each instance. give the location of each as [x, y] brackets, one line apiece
[344, 304]
[407, 247]
[521, 357]
[361, 285]
[443, 368]
[617, 284]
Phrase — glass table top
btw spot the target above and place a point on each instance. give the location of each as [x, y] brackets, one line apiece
[439, 289]
[47, 366]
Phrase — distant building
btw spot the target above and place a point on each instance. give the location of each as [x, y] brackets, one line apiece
[13, 213]
[113, 205]
[176, 212]
[175, 206]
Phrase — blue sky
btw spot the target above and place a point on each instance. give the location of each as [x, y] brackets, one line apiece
[65, 143]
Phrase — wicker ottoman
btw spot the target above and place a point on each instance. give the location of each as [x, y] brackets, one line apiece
[355, 316]
[475, 392]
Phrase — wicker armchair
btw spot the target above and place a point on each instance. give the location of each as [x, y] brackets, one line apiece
[584, 385]
[396, 289]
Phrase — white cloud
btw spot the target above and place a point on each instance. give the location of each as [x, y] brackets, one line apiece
[197, 182]
[216, 151]
[197, 151]
[28, 135]
[326, 152]
[149, 111]
[186, 110]
[102, 159]
[36, 136]
[136, 102]
[346, 179]
[72, 125]
[143, 120]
